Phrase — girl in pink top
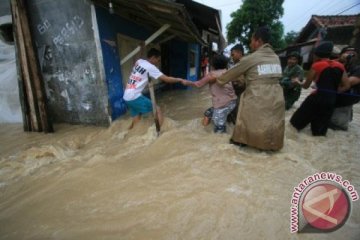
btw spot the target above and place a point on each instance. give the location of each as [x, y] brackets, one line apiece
[223, 97]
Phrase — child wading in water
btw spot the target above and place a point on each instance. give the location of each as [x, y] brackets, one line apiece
[223, 97]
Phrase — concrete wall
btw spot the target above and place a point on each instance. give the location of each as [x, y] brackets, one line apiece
[65, 36]
[10, 110]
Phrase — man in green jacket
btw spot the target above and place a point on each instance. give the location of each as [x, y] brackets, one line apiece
[293, 70]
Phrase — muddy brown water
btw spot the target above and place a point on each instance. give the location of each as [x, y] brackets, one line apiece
[86, 182]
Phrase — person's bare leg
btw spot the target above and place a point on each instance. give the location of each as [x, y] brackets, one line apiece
[135, 120]
[160, 116]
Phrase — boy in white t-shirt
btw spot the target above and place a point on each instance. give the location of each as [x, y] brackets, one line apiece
[137, 103]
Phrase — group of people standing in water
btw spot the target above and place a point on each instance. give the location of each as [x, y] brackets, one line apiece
[254, 92]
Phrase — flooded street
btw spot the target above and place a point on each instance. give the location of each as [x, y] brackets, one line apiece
[85, 182]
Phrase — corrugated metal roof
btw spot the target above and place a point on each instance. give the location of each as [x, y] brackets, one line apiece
[155, 13]
[203, 16]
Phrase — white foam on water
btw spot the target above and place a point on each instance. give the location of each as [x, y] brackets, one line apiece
[187, 183]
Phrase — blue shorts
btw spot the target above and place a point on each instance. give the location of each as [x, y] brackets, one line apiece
[139, 106]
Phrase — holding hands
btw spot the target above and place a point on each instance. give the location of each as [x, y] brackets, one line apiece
[187, 83]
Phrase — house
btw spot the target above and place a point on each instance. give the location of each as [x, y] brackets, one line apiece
[85, 51]
[209, 27]
[339, 29]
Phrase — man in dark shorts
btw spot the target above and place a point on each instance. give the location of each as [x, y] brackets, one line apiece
[136, 102]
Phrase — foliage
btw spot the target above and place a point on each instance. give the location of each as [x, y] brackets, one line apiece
[290, 37]
[253, 14]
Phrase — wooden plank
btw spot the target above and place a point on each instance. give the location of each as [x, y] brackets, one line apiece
[33, 123]
[147, 41]
[22, 92]
[28, 68]
[154, 106]
[35, 73]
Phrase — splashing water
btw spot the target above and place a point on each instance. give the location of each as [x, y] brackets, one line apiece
[110, 183]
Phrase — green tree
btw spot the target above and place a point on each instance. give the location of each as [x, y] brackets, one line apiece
[290, 37]
[253, 14]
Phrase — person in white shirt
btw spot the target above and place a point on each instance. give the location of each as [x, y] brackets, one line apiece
[137, 103]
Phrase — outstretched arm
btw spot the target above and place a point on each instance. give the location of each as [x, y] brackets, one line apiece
[169, 79]
[209, 78]
[234, 73]
[311, 76]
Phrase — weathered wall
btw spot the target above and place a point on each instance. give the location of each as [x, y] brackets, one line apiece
[10, 110]
[64, 35]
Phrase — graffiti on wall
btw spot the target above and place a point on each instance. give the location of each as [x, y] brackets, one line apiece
[68, 82]
[43, 27]
[65, 42]
[68, 30]
[69, 69]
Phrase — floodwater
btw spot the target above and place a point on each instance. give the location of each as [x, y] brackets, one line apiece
[87, 182]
